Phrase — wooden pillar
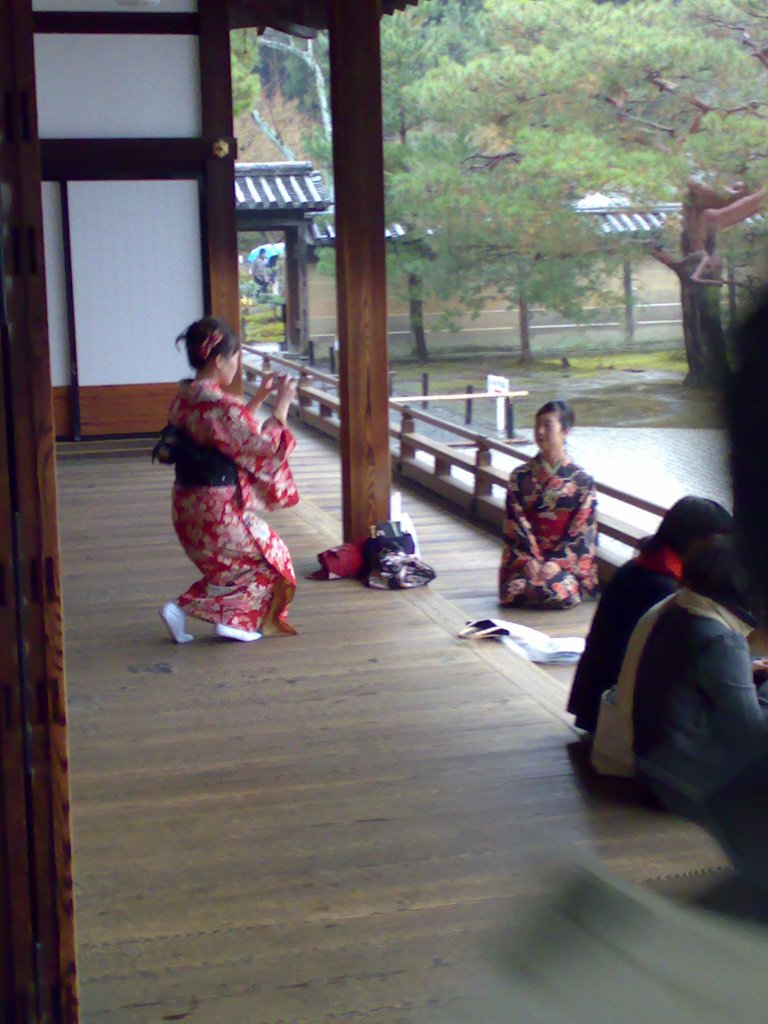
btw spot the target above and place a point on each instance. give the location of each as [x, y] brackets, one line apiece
[296, 319]
[360, 262]
[37, 946]
[222, 296]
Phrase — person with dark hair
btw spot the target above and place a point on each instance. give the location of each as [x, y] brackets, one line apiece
[634, 588]
[260, 272]
[550, 528]
[229, 469]
[698, 716]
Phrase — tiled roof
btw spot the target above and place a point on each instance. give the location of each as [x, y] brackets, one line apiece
[634, 222]
[280, 186]
[325, 233]
[615, 214]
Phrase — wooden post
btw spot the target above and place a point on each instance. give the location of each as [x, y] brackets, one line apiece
[425, 386]
[509, 409]
[311, 352]
[296, 323]
[407, 426]
[629, 303]
[483, 486]
[355, 60]
[37, 941]
[304, 401]
[468, 408]
[331, 359]
[222, 291]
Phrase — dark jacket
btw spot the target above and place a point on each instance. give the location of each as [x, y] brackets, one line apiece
[626, 598]
[698, 717]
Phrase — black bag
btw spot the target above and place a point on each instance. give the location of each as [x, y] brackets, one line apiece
[400, 571]
[376, 548]
[387, 538]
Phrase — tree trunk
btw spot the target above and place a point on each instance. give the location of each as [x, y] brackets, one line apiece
[733, 312]
[703, 334]
[416, 306]
[526, 357]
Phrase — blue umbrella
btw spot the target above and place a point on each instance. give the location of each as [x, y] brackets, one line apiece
[269, 249]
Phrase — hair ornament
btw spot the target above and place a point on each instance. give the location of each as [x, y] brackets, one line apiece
[209, 343]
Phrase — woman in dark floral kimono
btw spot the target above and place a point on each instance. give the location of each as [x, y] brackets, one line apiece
[550, 529]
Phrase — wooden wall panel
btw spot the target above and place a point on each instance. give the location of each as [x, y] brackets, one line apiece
[125, 408]
[62, 411]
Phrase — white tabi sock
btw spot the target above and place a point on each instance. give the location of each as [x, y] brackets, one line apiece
[231, 633]
[175, 620]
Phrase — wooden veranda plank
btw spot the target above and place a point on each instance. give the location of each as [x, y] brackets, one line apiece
[326, 827]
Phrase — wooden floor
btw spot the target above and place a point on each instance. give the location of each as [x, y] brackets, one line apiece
[321, 828]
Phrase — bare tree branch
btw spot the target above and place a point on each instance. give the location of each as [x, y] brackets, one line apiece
[661, 254]
[664, 85]
[758, 51]
[652, 125]
[308, 56]
[273, 135]
[485, 161]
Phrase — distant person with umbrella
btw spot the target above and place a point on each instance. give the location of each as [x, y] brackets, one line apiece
[260, 272]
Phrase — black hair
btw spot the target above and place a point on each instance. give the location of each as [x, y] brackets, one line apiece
[563, 410]
[690, 519]
[196, 338]
[714, 569]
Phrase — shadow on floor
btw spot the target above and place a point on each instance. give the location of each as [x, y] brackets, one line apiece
[606, 787]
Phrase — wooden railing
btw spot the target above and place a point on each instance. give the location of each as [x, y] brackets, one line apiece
[464, 469]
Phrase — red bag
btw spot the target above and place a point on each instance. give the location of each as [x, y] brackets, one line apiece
[340, 563]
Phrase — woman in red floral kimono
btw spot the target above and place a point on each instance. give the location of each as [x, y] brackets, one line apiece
[550, 529]
[228, 471]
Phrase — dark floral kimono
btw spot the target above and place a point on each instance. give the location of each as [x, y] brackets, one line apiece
[550, 533]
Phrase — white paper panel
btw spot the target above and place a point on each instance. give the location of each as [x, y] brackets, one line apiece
[55, 287]
[137, 270]
[117, 86]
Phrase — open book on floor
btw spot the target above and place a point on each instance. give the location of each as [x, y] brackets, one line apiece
[529, 643]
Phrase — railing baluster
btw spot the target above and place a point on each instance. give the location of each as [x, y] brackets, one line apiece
[483, 459]
[407, 427]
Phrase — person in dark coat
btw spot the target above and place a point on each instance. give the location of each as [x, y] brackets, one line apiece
[699, 713]
[635, 588]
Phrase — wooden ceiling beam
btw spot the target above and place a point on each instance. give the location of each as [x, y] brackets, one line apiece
[297, 17]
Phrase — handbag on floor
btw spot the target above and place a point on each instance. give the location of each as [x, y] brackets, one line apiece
[387, 538]
[398, 570]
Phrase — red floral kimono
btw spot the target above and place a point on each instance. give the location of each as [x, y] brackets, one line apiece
[247, 576]
[550, 533]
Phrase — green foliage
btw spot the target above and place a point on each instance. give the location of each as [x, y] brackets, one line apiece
[490, 144]
[246, 87]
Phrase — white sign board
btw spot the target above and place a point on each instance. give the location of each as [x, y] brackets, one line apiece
[498, 386]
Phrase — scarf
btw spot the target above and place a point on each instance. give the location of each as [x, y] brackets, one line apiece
[662, 560]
